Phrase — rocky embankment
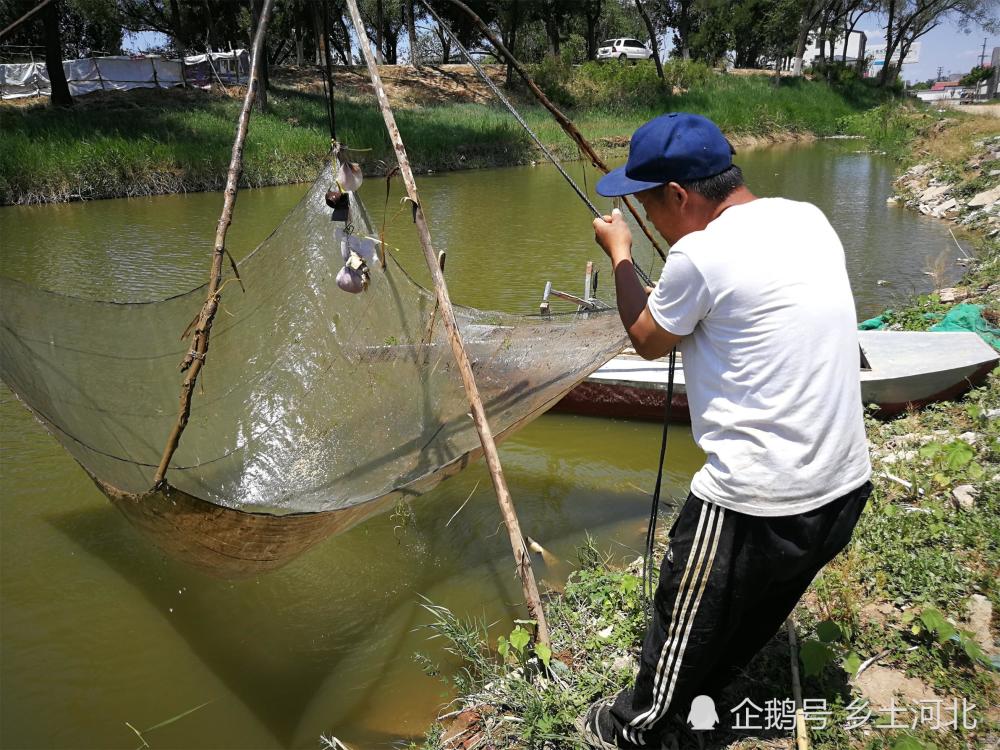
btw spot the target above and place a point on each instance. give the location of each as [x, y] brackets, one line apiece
[970, 197]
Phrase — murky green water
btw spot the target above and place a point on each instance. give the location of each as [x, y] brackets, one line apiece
[99, 629]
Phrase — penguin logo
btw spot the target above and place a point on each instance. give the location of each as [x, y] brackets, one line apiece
[702, 715]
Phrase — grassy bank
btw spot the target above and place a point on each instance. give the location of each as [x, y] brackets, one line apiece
[905, 617]
[146, 142]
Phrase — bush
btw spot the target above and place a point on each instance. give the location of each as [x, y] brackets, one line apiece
[686, 74]
[887, 126]
[574, 50]
[619, 87]
[553, 75]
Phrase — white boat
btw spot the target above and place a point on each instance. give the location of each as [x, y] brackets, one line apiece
[898, 370]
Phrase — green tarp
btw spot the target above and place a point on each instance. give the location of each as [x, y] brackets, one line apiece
[965, 317]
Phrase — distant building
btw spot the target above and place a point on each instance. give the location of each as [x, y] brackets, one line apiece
[942, 90]
[856, 42]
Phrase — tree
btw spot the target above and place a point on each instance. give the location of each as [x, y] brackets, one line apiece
[590, 11]
[678, 16]
[856, 10]
[652, 37]
[53, 56]
[411, 33]
[86, 27]
[908, 20]
[510, 16]
[976, 76]
[811, 10]
[710, 31]
[459, 22]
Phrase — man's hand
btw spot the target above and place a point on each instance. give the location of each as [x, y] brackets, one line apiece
[614, 236]
[650, 341]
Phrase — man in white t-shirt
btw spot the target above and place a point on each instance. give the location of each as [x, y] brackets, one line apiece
[755, 296]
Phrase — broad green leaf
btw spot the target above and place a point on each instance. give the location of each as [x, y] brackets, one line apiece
[972, 648]
[519, 638]
[829, 631]
[630, 583]
[930, 450]
[908, 743]
[851, 663]
[958, 454]
[932, 619]
[975, 470]
[814, 656]
[503, 647]
[544, 653]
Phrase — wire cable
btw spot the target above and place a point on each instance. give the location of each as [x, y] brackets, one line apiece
[654, 511]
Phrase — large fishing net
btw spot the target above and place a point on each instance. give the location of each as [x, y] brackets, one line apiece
[312, 399]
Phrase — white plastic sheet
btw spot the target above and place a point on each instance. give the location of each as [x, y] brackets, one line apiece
[82, 76]
[92, 74]
[20, 80]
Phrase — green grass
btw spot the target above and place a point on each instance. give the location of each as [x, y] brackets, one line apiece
[146, 142]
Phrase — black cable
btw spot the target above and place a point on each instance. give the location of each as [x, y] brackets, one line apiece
[654, 511]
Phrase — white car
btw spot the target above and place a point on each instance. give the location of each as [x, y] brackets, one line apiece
[624, 49]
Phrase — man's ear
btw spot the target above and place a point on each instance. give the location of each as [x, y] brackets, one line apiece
[676, 195]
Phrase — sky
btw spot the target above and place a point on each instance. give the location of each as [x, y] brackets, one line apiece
[945, 46]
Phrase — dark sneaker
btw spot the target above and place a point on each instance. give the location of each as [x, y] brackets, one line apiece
[597, 729]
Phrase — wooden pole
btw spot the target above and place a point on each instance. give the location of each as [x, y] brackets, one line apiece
[195, 358]
[564, 122]
[801, 733]
[521, 555]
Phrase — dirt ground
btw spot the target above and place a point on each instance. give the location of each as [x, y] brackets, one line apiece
[406, 86]
[988, 110]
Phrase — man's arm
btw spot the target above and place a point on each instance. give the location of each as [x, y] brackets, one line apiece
[648, 338]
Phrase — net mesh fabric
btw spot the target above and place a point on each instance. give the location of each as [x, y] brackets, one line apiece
[311, 399]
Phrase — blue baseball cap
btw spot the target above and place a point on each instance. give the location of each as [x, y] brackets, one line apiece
[677, 147]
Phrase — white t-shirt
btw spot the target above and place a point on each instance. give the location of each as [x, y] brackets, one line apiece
[771, 359]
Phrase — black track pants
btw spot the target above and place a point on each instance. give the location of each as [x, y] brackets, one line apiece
[727, 583]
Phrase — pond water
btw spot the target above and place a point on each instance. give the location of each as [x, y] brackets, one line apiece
[100, 629]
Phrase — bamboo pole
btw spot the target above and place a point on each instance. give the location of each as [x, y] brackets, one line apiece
[195, 358]
[521, 555]
[564, 122]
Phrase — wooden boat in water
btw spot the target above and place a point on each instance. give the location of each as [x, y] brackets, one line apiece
[899, 370]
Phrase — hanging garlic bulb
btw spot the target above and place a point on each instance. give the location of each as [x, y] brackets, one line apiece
[351, 280]
[349, 176]
[353, 277]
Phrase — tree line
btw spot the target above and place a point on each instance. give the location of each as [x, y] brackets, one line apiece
[744, 33]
